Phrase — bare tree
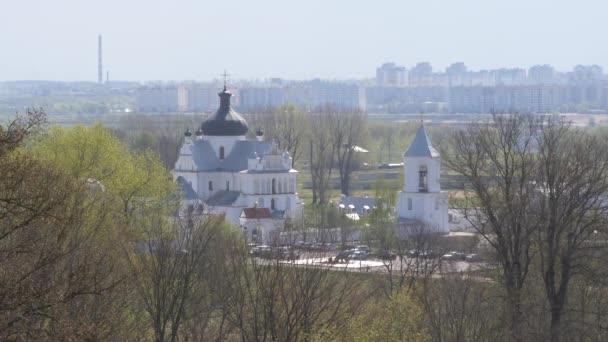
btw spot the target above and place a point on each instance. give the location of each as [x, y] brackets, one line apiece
[166, 263]
[321, 155]
[497, 161]
[348, 132]
[280, 300]
[572, 209]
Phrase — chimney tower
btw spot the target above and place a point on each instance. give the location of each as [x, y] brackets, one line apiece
[99, 64]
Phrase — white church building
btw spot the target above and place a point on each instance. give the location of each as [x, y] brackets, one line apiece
[421, 201]
[225, 172]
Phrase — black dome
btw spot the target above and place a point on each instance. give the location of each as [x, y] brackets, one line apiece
[225, 121]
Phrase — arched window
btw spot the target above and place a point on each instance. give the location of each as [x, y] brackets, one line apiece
[272, 204]
[210, 186]
[221, 152]
[280, 187]
[274, 186]
[423, 179]
[227, 185]
[261, 202]
[409, 204]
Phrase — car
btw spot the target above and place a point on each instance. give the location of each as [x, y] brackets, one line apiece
[329, 246]
[286, 253]
[263, 252]
[359, 255]
[344, 255]
[473, 258]
[413, 253]
[362, 248]
[428, 255]
[316, 246]
[454, 256]
[387, 255]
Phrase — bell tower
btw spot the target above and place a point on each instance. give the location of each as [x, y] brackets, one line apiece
[421, 197]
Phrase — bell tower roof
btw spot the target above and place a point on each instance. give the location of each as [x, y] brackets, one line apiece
[421, 146]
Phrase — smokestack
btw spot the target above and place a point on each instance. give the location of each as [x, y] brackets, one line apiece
[99, 64]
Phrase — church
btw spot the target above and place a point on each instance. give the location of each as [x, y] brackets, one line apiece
[421, 200]
[250, 181]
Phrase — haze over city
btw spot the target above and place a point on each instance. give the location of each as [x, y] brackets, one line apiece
[183, 40]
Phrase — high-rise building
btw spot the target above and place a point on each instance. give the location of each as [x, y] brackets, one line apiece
[541, 74]
[389, 74]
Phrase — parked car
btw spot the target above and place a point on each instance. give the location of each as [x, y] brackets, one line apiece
[454, 256]
[329, 246]
[362, 248]
[287, 253]
[387, 255]
[428, 255]
[473, 258]
[344, 255]
[263, 252]
[413, 253]
[359, 255]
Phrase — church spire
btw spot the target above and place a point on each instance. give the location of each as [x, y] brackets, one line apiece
[421, 146]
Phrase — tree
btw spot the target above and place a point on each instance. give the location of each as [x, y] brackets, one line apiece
[279, 300]
[321, 152]
[166, 258]
[59, 276]
[572, 180]
[497, 160]
[348, 131]
[94, 153]
[399, 318]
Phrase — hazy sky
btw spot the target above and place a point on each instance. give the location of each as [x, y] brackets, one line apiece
[198, 39]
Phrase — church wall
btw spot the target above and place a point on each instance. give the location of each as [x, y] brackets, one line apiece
[430, 208]
[218, 180]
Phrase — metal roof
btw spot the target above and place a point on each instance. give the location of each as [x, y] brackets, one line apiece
[205, 158]
[421, 146]
[223, 198]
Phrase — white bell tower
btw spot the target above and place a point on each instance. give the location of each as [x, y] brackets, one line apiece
[421, 198]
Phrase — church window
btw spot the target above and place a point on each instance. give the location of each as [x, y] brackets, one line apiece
[409, 204]
[423, 179]
[272, 204]
[210, 186]
[221, 152]
[227, 185]
[280, 187]
[274, 186]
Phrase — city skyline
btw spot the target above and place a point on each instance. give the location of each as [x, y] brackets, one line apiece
[188, 40]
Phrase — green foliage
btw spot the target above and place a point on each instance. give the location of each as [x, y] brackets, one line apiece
[95, 154]
[397, 319]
